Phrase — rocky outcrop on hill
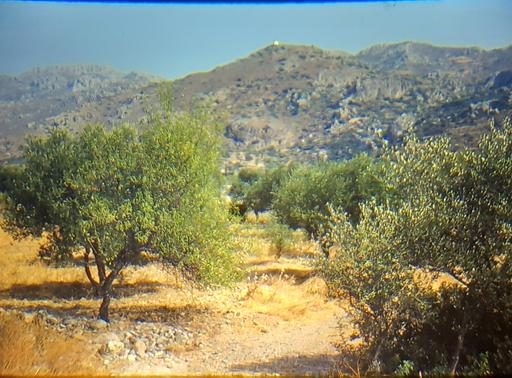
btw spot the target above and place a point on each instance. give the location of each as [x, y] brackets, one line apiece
[46, 97]
[284, 101]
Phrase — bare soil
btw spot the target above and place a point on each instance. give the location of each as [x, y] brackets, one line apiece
[277, 321]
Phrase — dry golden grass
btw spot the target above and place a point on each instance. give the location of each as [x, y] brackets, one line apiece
[284, 267]
[147, 292]
[28, 348]
[276, 291]
[22, 268]
[20, 265]
[288, 301]
[154, 273]
[255, 242]
[262, 218]
[301, 247]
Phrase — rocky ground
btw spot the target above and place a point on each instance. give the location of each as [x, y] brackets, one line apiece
[278, 320]
[283, 102]
[211, 337]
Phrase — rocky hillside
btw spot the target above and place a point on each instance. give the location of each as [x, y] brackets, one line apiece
[288, 102]
[54, 96]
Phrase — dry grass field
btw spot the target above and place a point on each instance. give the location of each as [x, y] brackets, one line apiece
[27, 347]
[257, 326]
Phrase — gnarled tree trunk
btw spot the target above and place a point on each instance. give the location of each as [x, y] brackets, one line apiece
[106, 290]
[460, 342]
[105, 303]
[127, 255]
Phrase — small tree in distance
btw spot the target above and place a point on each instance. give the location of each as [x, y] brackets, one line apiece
[303, 197]
[117, 194]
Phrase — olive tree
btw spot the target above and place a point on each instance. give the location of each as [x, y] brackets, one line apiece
[453, 219]
[303, 198]
[114, 195]
[261, 193]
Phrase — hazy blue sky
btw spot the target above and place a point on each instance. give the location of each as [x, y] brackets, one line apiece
[174, 40]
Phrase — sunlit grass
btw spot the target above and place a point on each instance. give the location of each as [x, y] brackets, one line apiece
[279, 287]
[21, 266]
[283, 298]
[28, 348]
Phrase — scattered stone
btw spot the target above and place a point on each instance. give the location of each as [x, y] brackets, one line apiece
[181, 337]
[52, 320]
[114, 347]
[140, 348]
[105, 338]
[126, 353]
[71, 322]
[98, 324]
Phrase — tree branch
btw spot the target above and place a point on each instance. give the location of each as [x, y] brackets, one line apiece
[451, 274]
[93, 282]
[99, 262]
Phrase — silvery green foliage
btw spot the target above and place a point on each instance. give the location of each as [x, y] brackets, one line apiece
[447, 213]
[117, 194]
[303, 198]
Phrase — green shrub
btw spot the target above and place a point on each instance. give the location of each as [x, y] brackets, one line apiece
[453, 217]
[249, 175]
[302, 201]
[240, 185]
[261, 193]
[281, 237]
[370, 269]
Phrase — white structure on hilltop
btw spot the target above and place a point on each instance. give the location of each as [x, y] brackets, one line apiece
[275, 43]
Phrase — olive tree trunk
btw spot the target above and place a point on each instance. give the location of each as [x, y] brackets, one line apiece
[106, 291]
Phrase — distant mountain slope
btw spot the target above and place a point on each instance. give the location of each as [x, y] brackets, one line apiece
[288, 102]
[34, 100]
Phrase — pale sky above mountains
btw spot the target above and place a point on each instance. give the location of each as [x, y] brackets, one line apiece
[174, 40]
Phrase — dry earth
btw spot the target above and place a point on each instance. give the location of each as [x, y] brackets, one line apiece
[277, 321]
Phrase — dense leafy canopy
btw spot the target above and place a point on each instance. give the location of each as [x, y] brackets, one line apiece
[260, 195]
[452, 220]
[120, 193]
[304, 198]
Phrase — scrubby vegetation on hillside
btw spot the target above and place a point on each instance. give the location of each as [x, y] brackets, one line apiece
[418, 240]
[300, 196]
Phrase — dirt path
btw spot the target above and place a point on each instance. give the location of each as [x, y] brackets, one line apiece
[263, 334]
[268, 345]
[277, 321]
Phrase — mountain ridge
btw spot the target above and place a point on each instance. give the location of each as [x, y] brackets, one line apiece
[286, 101]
